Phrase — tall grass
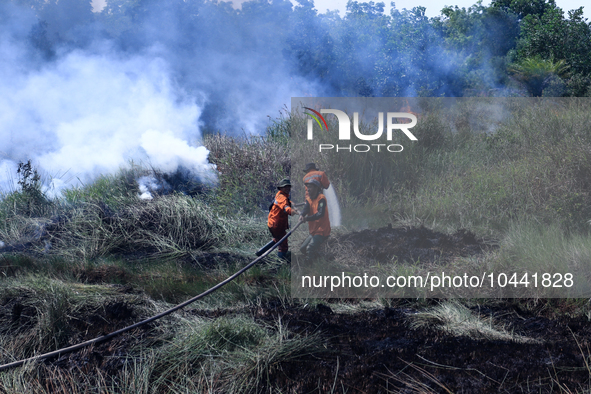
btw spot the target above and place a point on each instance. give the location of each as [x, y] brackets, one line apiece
[241, 354]
[112, 190]
[249, 171]
[170, 226]
[478, 164]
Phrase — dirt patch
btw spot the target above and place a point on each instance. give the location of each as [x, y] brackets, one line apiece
[409, 244]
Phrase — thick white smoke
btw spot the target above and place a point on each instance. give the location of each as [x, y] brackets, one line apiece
[84, 94]
[167, 152]
[148, 185]
[88, 114]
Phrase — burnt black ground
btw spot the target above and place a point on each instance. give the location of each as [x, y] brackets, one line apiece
[376, 351]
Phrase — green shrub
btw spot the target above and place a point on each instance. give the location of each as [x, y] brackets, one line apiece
[29, 200]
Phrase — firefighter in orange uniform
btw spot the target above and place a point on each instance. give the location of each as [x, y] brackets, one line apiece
[278, 220]
[315, 212]
[312, 172]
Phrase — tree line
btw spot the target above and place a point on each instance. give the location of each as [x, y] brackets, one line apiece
[509, 48]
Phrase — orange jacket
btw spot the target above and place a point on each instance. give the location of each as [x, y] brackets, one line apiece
[320, 176]
[280, 211]
[320, 226]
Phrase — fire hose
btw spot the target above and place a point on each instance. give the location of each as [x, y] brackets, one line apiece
[112, 335]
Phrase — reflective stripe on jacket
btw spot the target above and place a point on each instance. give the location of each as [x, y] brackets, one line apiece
[280, 211]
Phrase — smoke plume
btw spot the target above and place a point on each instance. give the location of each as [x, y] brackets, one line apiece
[83, 93]
[78, 108]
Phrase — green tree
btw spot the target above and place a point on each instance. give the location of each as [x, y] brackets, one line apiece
[553, 37]
[480, 37]
[523, 8]
[413, 61]
[360, 38]
[309, 44]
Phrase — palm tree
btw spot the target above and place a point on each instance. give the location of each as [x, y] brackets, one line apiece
[536, 72]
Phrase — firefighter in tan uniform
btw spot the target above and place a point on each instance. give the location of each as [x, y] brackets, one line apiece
[315, 212]
[278, 221]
